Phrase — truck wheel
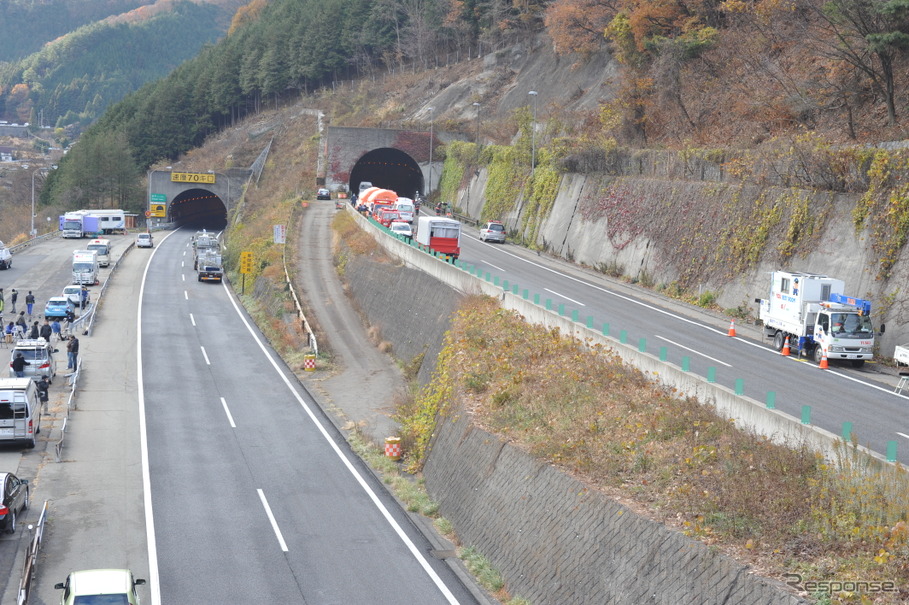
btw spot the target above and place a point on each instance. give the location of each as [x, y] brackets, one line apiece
[818, 354]
[779, 339]
[857, 363]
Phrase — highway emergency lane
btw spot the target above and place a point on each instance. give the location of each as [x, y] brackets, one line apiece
[840, 394]
[256, 498]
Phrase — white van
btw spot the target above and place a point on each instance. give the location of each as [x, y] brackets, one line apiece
[20, 410]
[6, 258]
[102, 249]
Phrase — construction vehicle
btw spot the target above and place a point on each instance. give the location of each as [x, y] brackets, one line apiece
[209, 266]
[82, 223]
[85, 267]
[203, 243]
[811, 311]
[442, 235]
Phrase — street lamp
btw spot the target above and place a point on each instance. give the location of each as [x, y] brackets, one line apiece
[477, 139]
[533, 133]
[32, 233]
[431, 117]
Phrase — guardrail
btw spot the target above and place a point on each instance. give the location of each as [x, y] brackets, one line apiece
[31, 558]
[34, 240]
[304, 323]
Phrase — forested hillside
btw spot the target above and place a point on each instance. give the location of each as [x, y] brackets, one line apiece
[72, 79]
[703, 73]
[26, 25]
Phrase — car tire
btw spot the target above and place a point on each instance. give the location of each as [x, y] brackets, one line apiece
[11, 526]
[30, 444]
[28, 500]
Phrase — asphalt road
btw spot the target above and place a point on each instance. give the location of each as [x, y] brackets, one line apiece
[840, 394]
[256, 497]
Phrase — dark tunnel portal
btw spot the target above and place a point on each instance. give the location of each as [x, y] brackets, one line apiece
[388, 168]
[199, 208]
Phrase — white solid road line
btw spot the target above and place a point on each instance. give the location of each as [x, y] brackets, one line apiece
[227, 411]
[554, 293]
[205, 355]
[414, 551]
[714, 359]
[271, 519]
[902, 435]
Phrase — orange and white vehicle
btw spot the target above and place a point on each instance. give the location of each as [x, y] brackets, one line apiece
[386, 215]
[443, 235]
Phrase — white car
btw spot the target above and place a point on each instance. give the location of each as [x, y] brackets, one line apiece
[100, 586]
[74, 294]
[401, 228]
[144, 240]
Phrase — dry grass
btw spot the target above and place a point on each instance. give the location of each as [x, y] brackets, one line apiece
[779, 509]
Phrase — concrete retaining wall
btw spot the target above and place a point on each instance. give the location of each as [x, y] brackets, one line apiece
[555, 540]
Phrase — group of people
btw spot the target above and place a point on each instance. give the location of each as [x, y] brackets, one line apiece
[14, 298]
[21, 329]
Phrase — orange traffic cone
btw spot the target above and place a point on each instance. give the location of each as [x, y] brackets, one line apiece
[731, 329]
[823, 364]
[785, 351]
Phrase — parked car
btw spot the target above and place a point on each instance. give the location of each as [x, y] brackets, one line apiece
[144, 240]
[323, 194]
[100, 586]
[386, 217]
[39, 358]
[74, 294]
[402, 228]
[493, 231]
[6, 257]
[14, 500]
[60, 307]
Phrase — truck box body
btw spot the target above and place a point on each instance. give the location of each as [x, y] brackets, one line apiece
[85, 267]
[812, 311]
[106, 221]
[71, 224]
[440, 234]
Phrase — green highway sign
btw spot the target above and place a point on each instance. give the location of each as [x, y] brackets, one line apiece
[158, 197]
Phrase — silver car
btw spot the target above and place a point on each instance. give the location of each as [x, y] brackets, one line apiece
[39, 358]
[494, 231]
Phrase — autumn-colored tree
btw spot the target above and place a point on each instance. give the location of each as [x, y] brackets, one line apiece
[577, 26]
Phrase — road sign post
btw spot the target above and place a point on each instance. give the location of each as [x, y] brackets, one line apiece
[245, 268]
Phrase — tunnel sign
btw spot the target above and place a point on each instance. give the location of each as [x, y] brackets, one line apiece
[158, 197]
[159, 210]
[245, 262]
[192, 177]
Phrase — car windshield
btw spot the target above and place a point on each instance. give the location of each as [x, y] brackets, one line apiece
[853, 324]
[85, 267]
[496, 227]
[405, 208]
[101, 599]
[98, 248]
[72, 225]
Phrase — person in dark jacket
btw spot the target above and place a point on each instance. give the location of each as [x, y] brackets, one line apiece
[29, 303]
[42, 385]
[72, 353]
[46, 331]
[19, 365]
[34, 332]
[22, 323]
[12, 299]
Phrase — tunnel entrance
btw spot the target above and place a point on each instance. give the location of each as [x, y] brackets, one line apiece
[388, 168]
[199, 208]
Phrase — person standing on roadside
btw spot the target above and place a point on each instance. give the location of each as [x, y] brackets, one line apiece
[12, 299]
[29, 303]
[1, 300]
[56, 329]
[72, 353]
[46, 331]
[34, 332]
[9, 331]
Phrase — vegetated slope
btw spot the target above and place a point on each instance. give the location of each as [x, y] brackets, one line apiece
[76, 77]
[26, 25]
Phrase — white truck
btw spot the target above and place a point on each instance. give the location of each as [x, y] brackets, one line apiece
[812, 311]
[85, 267]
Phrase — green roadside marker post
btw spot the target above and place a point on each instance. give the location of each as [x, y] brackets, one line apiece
[561, 309]
[642, 345]
[549, 304]
[664, 354]
[686, 364]
[771, 400]
[891, 451]
[623, 337]
[536, 298]
[605, 329]
[711, 374]
[574, 315]
[590, 321]
[739, 386]
[847, 431]
[806, 414]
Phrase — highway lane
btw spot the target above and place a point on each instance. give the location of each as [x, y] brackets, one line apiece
[255, 496]
[840, 394]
